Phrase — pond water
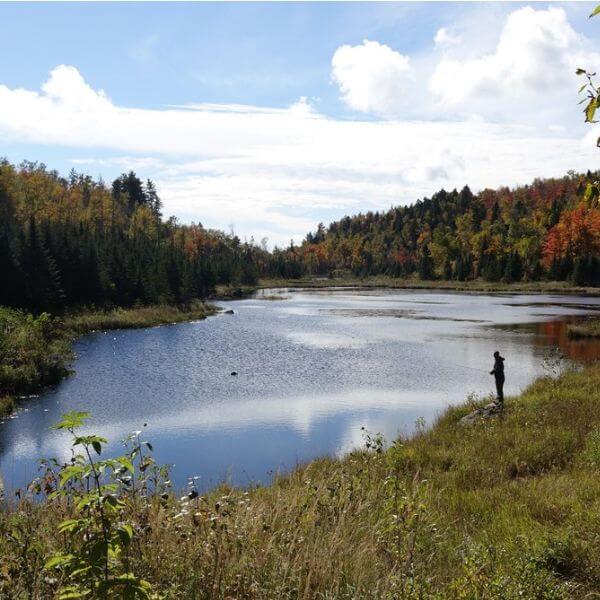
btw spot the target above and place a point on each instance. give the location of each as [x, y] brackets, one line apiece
[312, 369]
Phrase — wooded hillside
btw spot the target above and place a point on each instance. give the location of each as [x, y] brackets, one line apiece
[75, 241]
[546, 230]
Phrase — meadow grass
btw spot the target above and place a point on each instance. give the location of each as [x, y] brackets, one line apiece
[506, 508]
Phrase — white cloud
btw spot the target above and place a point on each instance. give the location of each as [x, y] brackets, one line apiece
[276, 172]
[530, 71]
[372, 77]
[445, 37]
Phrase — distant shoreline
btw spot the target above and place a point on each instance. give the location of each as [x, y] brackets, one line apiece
[480, 286]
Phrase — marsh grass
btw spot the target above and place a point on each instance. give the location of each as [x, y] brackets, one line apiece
[586, 329]
[137, 317]
[35, 352]
[507, 508]
[7, 405]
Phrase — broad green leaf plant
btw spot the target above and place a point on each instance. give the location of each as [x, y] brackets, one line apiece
[100, 493]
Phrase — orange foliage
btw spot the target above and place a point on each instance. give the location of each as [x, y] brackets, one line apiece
[576, 234]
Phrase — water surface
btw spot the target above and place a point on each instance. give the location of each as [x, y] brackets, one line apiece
[312, 369]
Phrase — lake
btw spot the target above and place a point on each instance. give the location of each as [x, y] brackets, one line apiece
[313, 368]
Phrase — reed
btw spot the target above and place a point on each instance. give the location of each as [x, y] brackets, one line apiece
[90, 320]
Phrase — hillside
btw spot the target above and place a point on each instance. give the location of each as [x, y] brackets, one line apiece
[546, 230]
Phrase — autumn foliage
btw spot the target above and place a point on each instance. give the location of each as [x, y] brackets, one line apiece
[577, 233]
[75, 241]
[547, 230]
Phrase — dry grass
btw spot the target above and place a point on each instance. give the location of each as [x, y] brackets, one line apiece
[508, 508]
[134, 318]
[587, 329]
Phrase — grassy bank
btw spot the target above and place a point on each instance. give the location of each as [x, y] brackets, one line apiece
[586, 329]
[533, 287]
[135, 318]
[507, 508]
[233, 292]
[35, 352]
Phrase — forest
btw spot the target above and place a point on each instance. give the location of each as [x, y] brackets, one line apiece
[67, 242]
[547, 230]
[74, 241]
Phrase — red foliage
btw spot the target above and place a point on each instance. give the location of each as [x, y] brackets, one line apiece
[576, 234]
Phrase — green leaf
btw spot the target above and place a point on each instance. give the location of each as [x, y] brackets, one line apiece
[78, 572]
[580, 72]
[71, 472]
[582, 87]
[70, 592]
[69, 525]
[126, 463]
[125, 533]
[58, 560]
[71, 420]
[595, 11]
[87, 440]
[590, 111]
[97, 446]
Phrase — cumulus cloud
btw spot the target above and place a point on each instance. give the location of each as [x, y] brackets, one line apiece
[276, 172]
[372, 77]
[531, 68]
[445, 37]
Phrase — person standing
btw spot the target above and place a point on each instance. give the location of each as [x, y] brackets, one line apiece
[498, 373]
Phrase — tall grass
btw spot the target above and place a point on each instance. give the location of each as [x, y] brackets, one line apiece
[506, 508]
[134, 318]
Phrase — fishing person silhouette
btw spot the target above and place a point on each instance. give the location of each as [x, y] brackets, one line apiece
[498, 373]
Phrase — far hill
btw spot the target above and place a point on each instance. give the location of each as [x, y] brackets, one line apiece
[547, 230]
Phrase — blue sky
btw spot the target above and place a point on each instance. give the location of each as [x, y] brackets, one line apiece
[273, 117]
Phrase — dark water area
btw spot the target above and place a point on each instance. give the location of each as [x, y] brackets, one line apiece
[312, 369]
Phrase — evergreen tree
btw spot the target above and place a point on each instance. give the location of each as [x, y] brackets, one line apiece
[426, 264]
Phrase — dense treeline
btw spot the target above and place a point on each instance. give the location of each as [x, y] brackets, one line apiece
[75, 241]
[547, 230]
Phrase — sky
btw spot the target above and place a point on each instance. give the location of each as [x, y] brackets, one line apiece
[270, 118]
